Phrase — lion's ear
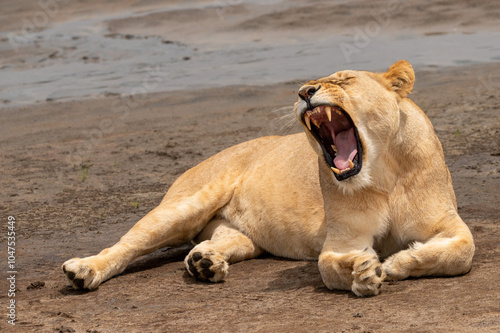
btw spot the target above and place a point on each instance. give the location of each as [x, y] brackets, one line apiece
[400, 78]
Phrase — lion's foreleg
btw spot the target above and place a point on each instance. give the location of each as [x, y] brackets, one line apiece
[348, 260]
[359, 271]
[448, 253]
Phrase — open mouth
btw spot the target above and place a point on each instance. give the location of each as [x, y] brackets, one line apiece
[334, 130]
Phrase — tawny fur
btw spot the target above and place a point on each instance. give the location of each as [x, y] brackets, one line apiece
[276, 194]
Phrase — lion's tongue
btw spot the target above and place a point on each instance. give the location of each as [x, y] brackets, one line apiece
[346, 148]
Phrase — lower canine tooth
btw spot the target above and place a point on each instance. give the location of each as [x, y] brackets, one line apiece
[334, 149]
[351, 165]
[337, 171]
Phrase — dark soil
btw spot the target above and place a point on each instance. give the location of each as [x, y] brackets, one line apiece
[76, 181]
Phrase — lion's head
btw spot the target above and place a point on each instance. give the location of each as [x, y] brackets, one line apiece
[351, 117]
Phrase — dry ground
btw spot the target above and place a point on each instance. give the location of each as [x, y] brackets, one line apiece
[78, 174]
[72, 199]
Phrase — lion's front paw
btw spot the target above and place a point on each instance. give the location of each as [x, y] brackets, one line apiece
[397, 266]
[206, 265]
[82, 273]
[368, 276]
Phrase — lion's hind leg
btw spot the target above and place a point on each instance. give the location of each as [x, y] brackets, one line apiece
[220, 244]
[174, 222]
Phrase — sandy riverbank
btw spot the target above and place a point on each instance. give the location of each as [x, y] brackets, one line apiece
[77, 174]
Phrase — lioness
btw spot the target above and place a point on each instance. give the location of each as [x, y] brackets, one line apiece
[373, 187]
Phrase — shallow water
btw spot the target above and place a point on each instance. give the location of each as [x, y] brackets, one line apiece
[84, 59]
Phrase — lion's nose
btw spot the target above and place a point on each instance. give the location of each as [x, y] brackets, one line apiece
[306, 92]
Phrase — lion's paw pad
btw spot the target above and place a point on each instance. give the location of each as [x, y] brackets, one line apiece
[368, 277]
[81, 273]
[206, 265]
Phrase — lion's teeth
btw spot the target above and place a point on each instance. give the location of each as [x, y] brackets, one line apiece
[337, 171]
[307, 119]
[335, 149]
[328, 110]
[351, 165]
[316, 123]
[316, 110]
[338, 111]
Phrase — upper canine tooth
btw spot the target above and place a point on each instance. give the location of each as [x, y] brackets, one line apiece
[351, 165]
[337, 171]
[328, 110]
[307, 119]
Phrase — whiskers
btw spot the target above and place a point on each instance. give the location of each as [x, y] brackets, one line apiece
[285, 121]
